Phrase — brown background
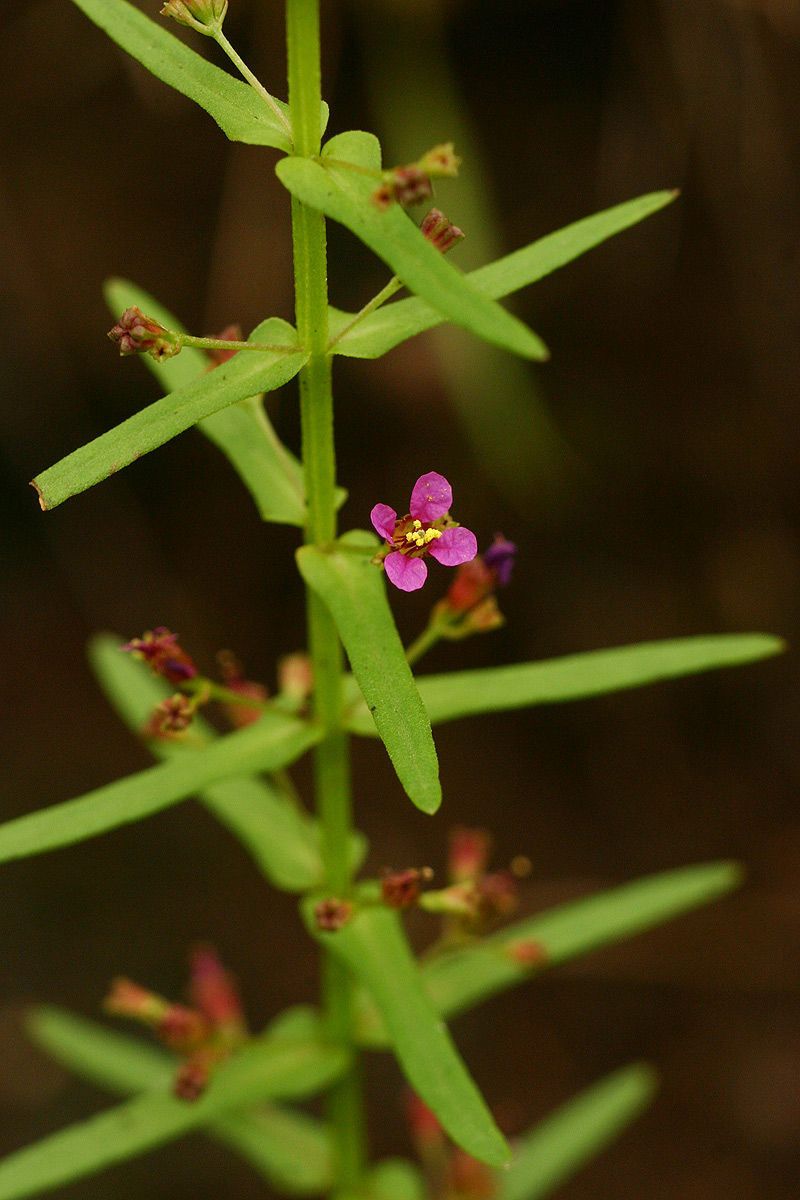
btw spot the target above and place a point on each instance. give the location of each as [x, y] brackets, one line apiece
[659, 498]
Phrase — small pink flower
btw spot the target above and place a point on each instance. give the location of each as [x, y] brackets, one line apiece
[427, 529]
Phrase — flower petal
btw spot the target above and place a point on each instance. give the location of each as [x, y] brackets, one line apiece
[454, 547]
[383, 520]
[408, 574]
[431, 498]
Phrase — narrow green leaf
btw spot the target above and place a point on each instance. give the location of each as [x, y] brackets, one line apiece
[240, 113]
[459, 979]
[403, 319]
[243, 376]
[112, 1060]
[243, 432]
[282, 839]
[577, 676]
[396, 1179]
[353, 589]
[289, 1149]
[374, 947]
[271, 743]
[576, 1133]
[266, 1069]
[346, 195]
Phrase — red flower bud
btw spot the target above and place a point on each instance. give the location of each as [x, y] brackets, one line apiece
[182, 1029]
[295, 677]
[424, 1124]
[240, 714]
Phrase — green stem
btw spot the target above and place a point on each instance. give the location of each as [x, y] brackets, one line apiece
[331, 757]
[425, 642]
[210, 343]
[253, 80]
[392, 287]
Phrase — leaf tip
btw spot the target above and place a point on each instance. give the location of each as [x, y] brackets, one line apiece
[43, 505]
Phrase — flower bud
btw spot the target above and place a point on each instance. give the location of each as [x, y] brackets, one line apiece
[129, 999]
[498, 896]
[182, 1029]
[440, 231]
[499, 558]
[295, 677]
[332, 914]
[424, 1124]
[241, 715]
[231, 333]
[192, 1077]
[214, 992]
[136, 333]
[401, 889]
[206, 16]
[469, 1178]
[526, 953]
[405, 185]
[468, 853]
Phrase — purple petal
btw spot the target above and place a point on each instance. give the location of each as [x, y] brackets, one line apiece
[431, 498]
[408, 574]
[383, 520]
[454, 547]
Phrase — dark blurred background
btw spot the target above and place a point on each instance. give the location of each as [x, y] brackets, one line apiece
[648, 474]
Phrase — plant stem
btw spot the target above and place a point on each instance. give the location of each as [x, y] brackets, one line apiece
[254, 81]
[331, 757]
[393, 286]
[421, 645]
[210, 343]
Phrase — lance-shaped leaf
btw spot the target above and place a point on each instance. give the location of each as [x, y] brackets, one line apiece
[577, 676]
[240, 113]
[576, 1133]
[272, 742]
[243, 376]
[344, 192]
[282, 839]
[269, 1068]
[459, 979]
[289, 1149]
[373, 945]
[386, 328]
[243, 432]
[353, 588]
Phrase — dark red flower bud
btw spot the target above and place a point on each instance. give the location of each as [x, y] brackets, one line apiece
[136, 333]
[401, 889]
[472, 583]
[241, 715]
[440, 231]
[469, 1178]
[332, 914]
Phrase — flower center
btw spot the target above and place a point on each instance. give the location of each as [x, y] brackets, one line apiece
[417, 537]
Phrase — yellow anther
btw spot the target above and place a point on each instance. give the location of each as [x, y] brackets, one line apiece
[417, 525]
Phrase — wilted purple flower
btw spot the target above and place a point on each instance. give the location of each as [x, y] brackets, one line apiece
[427, 529]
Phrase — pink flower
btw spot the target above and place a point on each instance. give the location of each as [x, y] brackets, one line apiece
[427, 529]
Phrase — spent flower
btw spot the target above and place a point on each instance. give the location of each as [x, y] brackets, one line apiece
[411, 183]
[136, 333]
[440, 231]
[159, 648]
[427, 529]
[401, 889]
